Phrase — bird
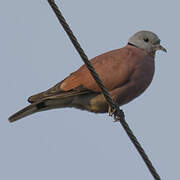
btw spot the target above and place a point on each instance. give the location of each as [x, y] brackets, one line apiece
[125, 72]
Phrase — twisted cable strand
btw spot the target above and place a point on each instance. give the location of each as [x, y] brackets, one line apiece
[119, 114]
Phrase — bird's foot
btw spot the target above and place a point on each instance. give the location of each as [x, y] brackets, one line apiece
[119, 115]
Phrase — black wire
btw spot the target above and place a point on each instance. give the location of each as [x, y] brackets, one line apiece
[118, 114]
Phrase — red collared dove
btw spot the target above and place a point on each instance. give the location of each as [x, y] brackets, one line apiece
[125, 72]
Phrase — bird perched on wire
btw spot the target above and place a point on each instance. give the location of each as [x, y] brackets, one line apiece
[125, 72]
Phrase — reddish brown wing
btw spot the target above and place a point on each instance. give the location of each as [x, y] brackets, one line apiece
[112, 67]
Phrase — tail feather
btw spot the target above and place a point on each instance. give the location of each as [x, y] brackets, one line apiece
[42, 105]
[33, 108]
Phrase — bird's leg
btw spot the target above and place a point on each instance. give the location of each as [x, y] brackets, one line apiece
[111, 110]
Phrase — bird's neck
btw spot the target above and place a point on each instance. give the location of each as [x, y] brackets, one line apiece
[152, 53]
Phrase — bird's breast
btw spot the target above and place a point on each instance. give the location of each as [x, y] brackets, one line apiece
[143, 75]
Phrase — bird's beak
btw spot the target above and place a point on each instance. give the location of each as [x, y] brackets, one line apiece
[159, 47]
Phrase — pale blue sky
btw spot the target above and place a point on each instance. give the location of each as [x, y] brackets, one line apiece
[72, 144]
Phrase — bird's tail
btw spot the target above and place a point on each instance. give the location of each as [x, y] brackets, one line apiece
[42, 105]
[69, 99]
[33, 108]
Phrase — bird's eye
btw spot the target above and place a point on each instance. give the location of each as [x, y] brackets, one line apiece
[146, 39]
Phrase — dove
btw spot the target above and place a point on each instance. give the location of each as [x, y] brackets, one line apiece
[126, 73]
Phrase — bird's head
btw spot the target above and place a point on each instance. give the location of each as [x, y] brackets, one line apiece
[146, 40]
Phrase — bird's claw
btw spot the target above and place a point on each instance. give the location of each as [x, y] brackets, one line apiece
[119, 116]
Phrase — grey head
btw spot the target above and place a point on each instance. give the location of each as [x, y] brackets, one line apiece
[146, 40]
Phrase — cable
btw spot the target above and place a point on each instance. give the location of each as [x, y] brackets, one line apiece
[118, 114]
